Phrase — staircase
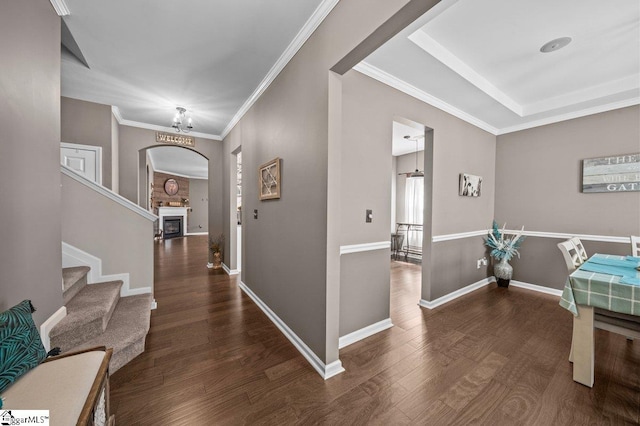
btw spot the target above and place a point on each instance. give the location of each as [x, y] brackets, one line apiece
[98, 316]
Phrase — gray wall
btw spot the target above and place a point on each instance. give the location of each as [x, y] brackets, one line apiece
[121, 238]
[362, 306]
[133, 139]
[30, 256]
[199, 203]
[285, 250]
[538, 185]
[88, 123]
[369, 109]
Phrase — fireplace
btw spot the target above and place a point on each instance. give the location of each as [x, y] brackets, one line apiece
[172, 226]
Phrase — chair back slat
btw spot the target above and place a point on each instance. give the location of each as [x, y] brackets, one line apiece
[570, 254]
[635, 245]
[579, 248]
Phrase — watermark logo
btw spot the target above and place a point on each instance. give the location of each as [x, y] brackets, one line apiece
[24, 417]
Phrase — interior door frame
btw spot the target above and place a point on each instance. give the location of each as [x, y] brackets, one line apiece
[96, 149]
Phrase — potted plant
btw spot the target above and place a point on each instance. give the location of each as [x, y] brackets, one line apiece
[502, 250]
[216, 245]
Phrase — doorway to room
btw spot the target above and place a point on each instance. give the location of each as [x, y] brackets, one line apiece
[410, 212]
[174, 185]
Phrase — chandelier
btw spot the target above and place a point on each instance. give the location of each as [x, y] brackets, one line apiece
[180, 122]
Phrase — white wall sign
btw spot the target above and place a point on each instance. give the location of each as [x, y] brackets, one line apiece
[175, 139]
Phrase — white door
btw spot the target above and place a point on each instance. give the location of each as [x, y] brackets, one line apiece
[83, 159]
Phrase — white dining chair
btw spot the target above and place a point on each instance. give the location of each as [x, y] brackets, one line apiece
[579, 248]
[627, 325]
[635, 245]
[571, 256]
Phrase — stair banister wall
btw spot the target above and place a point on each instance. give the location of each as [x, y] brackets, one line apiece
[110, 227]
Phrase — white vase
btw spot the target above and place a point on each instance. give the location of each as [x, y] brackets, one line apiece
[503, 272]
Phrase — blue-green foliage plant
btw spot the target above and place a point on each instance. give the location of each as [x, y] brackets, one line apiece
[501, 247]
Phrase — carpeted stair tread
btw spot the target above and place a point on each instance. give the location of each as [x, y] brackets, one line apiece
[88, 314]
[73, 280]
[126, 331]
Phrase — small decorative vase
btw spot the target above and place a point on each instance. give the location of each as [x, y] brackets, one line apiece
[503, 272]
[217, 260]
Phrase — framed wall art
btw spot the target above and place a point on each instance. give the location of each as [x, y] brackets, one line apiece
[470, 185]
[270, 180]
[619, 173]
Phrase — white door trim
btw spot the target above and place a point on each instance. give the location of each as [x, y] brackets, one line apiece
[96, 149]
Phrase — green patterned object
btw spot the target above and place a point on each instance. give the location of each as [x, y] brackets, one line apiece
[20, 345]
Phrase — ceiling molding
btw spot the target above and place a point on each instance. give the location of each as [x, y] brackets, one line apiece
[140, 125]
[166, 172]
[570, 115]
[60, 7]
[309, 27]
[389, 80]
[116, 113]
[435, 49]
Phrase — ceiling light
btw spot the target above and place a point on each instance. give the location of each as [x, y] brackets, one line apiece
[181, 122]
[417, 173]
[555, 44]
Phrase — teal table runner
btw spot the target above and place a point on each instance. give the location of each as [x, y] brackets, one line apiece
[604, 281]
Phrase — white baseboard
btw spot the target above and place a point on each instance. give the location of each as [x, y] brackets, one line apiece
[49, 323]
[364, 332]
[454, 295]
[325, 370]
[187, 234]
[535, 287]
[154, 304]
[229, 271]
[73, 256]
[468, 289]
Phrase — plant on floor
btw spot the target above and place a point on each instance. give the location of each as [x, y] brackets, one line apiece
[217, 243]
[501, 247]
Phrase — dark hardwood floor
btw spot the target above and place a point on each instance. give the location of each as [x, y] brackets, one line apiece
[495, 356]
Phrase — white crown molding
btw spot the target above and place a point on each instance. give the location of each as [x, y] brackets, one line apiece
[309, 27]
[570, 116]
[108, 193]
[325, 370]
[358, 248]
[364, 332]
[176, 174]
[116, 113]
[389, 80]
[435, 49]
[167, 129]
[60, 7]
[396, 83]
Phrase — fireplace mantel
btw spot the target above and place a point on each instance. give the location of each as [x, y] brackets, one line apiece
[172, 211]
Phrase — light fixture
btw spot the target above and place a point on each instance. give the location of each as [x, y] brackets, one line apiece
[556, 44]
[180, 122]
[416, 173]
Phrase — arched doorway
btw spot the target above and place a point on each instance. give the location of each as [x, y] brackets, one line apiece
[173, 183]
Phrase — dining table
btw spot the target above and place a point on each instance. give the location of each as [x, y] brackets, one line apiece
[605, 281]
